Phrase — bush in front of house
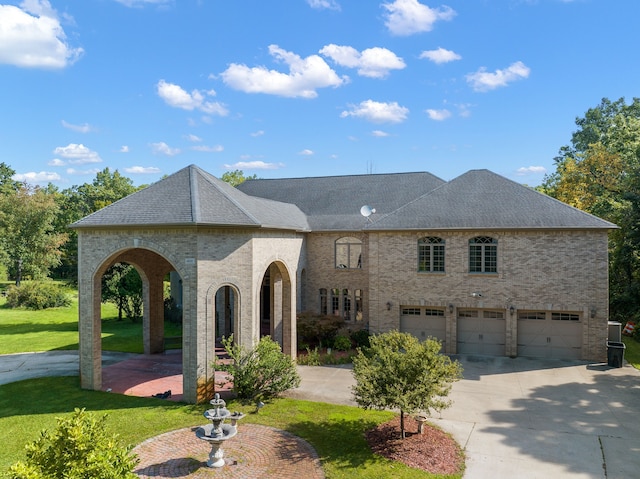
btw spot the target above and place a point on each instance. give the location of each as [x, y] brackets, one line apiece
[80, 447]
[37, 295]
[318, 329]
[259, 373]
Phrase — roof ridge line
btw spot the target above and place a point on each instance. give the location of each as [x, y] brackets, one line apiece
[233, 200]
[195, 196]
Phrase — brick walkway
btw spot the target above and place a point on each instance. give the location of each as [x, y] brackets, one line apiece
[256, 452]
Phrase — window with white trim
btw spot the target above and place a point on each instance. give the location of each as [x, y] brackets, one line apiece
[483, 255]
[431, 254]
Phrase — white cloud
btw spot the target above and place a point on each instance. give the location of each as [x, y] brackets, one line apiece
[124, 149]
[257, 133]
[177, 97]
[161, 148]
[379, 133]
[76, 154]
[142, 170]
[531, 170]
[440, 55]
[438, 115]
[208, 149]
[56, 162]
[36, 177]
[324, 4]
[482, 80]
[253, 165]
[306, 152]
[193, 138]
[304, 78]
[373, 62]
[91, 171]
[86, 128]
[378, 112]
[31, 36]
[406, 17]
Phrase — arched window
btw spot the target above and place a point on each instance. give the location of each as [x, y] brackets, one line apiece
[483, 255]
[431, 254]
[348, 253]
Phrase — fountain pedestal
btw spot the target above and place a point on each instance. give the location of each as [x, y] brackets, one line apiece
[217, 432]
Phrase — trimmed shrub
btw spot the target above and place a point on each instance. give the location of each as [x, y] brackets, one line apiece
[37, 295]
[341, 343]
[78, 448]
[260, 373]
[318, 330]
[361, 338]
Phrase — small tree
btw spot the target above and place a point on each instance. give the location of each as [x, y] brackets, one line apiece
[80, 447]
[260, 373]
[398, 371]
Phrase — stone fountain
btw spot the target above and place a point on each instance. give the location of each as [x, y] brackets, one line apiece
[217, 432]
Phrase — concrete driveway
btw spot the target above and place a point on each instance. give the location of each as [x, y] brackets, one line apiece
[528, 418]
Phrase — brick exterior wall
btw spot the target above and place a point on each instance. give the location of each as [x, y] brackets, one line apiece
[206, 259]
[550, 271]
[558, 271]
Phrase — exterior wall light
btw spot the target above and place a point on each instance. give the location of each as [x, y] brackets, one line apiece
[389, 305]
[451, 308]
[512, 310]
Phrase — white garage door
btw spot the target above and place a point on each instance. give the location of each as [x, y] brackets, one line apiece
[481, 332]
[549, 335]
[423, 323]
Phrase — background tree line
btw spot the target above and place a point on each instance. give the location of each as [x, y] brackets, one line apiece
[597, 172]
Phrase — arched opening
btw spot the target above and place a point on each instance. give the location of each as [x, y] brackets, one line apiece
[277, 307]
[226, 308]
[150, 316]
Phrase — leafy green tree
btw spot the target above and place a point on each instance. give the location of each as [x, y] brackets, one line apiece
[81, 200]
[236, 177]
[599, 172]
[79, 448]
[28, 242]
[260, 373]
[122, 286]
[7, 183]
[397, 371]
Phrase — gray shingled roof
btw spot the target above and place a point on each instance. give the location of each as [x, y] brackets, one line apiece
[192, 196]
[481, 199]
[334, 202]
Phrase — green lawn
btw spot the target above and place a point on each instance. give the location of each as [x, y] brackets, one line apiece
[632, 351]
[23, 330]
[336, 432]
[28, 407]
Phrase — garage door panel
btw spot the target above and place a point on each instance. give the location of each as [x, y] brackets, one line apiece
[423, 327]
[484, 336]
[550, 338]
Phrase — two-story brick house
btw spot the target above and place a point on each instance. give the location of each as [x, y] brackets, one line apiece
[484, 264]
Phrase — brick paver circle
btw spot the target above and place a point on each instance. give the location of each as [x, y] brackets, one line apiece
[256, 452]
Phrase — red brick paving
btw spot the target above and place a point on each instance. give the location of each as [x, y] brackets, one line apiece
[256, 452]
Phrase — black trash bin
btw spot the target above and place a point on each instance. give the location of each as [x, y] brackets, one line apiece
[615, 354]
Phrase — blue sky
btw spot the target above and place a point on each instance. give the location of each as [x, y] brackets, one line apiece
[293, 88]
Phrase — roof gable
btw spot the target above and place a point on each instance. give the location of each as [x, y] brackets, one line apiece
[334, 202]
[192, 196]
[481, 199]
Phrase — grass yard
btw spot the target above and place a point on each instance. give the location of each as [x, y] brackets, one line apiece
[632, 351]
[23, 330]
[336, 432]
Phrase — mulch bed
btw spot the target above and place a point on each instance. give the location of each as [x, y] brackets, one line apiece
[433, 451]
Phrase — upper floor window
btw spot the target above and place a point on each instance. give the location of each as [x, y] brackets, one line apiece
[348, 253]
[431, 254]
[483, 255]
